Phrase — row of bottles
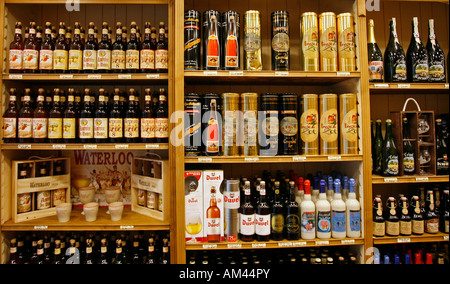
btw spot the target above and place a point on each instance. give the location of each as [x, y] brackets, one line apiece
[328, 41]
[420, 64]
[425, 212]
[62, 54]
[332, 255]
[436, 253]
[88, 117]
[90, 248]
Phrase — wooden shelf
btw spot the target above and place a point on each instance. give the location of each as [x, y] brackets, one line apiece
[269, 77]
[87, 77]
[154, 2]
[407, 88]
[409, 179]
[48, 146]
[130, 221]
[277, 159]
[439, 237]
[275, 244]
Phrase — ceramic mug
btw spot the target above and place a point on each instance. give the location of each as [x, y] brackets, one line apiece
[90, 211]
[115, 209]
[112, 194]
[63, 211]
[87, 194]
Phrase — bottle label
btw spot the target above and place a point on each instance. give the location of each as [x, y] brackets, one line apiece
[15, 59]
[46, 59]
[437, 71]
[355, 221]
[131, 127]
[30, 59]
[421, 71]
[329, 126]
[400, 70]
[247, 224]
[350, 126]
[309, 125]
[9, 127]
[86, 128]
[405, 228]
[104, 59]
[231, 61]
[392, 165]
[392, 228]
[442, 163]
[408, 162]
[89, 59]
[148, 128]
[25, 127]
[101, 128]
[162, 128]
[347, 44]
[213, 226]
[60, 59]
[338, 221]
[117, 59]
[379, 229]
[418, 227]
[69, 126]
[147, 59]
[262, 225]
[132, 59]
[308, 222]
[75, 60]
[250, 128]
[289, 126]
[40, 128]
[231, 200]
[328, 45]
[115, 128]
[24, 203]
[271, 126]
[277, 223]
[229, 128]
[161, 59]
[324, 221]
[55, 128]
[252, 40]
[432, 226]
[310, 43]
[376, 70]
[212, 139]
[43, 200]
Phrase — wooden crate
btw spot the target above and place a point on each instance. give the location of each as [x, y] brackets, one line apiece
[150, 177]
[428, 140]
[34, 184]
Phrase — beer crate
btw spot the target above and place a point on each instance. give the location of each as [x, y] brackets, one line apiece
[149, 187]
[421, 142]
[38, 186]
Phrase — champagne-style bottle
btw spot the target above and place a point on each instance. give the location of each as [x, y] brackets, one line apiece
[417, 57]
[436, 57]
[378, 150]
[376, 64]
[409, 167]
[390, 153]
[394, 57]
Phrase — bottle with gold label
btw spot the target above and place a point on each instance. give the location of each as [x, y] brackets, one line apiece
[346, 42]
[90, 51]
[309, 124]
[131, 121]
[230, 124]
[55, 123]
[25, 121]
[70, 125]
[118, 51]
[161, 52]
[40, 120]
[86, 121]
[148, 119]
[162, 119]
[16, 51]
[31, 51]
[147, 53]
[104, 51]
[349, 124]
[280, 41]
[116, 120]
[101, 119]
[309, 28]
[76, 51]
[328, 42]
[288, 144]
[329, 126]
[252, 41]
[133, 51]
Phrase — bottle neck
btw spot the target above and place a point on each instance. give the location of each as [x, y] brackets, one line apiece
[415, 30]
[372, 33]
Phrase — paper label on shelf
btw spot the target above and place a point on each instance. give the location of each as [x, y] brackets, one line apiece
[288, 244]
[234, 246]
[15, 76]
[259, 245]
[300, 244]
[404, 86]
[123, 146]
[322, 243]
[124, 76]
[209, 246]
[210, 73]
[390, 180]
[202, 160]
[40, 228]
[299, 159]
[127, 227]
[422, 179]
[346, 242]
[152, 146]
[66, 76]
[445, 238]
[152, 76]
[381, 86]
[343, 74]
[403, 240]
[94, 76]
[89, 146]
[281, 74]
[236, 73]
[334, 158]
[60, 146]
[24, 146]
[252, 159]
[446, 85]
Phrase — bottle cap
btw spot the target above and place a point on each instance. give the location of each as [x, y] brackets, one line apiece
[323, 184]
[300, 184]
[352, 184]
[337, 186]
[307, 187]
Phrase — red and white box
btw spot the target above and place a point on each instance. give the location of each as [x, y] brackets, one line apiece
[213, 206]
[194, 207]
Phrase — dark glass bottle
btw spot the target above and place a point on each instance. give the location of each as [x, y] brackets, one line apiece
[431, 218]
[376, 64]
[409, 167]
[151, 256]
[101, 119]
[90, 51]
[136, 257]
[46, 51]
[292, 215]
[10, 119]
[16, 51]
[104, 51]
[262, 218]
[57, 256]
[392, 220]
[61, 52]
[247, 216]
[133, 51]
[131, 121]
[379, 224]
[86, 121]
[394, 57]
[445, 204]
[55, 120]
[165, 259]
[89, 254]
[161, 52]
[118, 55]
[436, 57]
[31, 51]
[40, 120]
[417, 57]
[104, 256]
[441, 150]
[278, 215]
[148, 51]
[116, 120]
[148, 120]
[13, 253]
[70, 120]
[162, 119]
[25, 121]
[405, 218]
[417, 218]
[390, 153]
[280, 41]
[76, 51]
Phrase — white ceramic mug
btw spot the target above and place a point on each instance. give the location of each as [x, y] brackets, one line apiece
[115, 209]
[112, 194]
[87, 194]
[63, 211]
[90, 211]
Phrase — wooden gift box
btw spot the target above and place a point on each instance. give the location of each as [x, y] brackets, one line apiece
[428, 139]
[150, 176]
[34, 184]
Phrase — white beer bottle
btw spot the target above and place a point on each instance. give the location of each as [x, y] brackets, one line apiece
[338, 218]
[353, 212]
[323, 213]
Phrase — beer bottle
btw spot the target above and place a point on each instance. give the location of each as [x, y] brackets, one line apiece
[213, 219]
[151, 258]
[280, 41]
[101, 119]
[118, 51]
[148, 120]
[104, 51]
[376, 64]
[148, 51]
[89, 256]
[90, 51]
[69, 36]
[278, 215]
[436, 57]
[262, 217]
[16, 51]
[162, 119]
[378, 150]
[61, 53]
[405, 218]
[13, 253]
[133, 51]
[131, 121]
[46, 51]
[55, 123]
[40, 120]
[390, 153]
[76, 51]
[57, 256]
[136, 257]
[70, 117]
[247, 216]
[165, 259]
[445, 211]
[116, 120]
[409, 167]
[392, 220]
[25, 121]
[417, 57]
[431, 218]
[10, 119]
[293, 215]
[31, 51]
[161, 52]
[86, 121]
[394, 57]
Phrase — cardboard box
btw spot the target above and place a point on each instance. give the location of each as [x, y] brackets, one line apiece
[194, 206]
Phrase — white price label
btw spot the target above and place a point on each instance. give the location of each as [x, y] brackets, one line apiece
[40, 228]
[259, 245]
[124, 76]
[281, 74]
[403, 240]
[209, 246]
[322, 243]
[95, 77]
[152, 76]
[127, 227]
[236, 73]
[122, 146]
[446, 85]
[65, 77]
[343, 74]
[234, 246]
[422, 179]
[287, 244]
[346, 242]
[15, 76]
[299, 158]
[24, 146]
[404, 86]
[210, 73]
[89, 146]
[251, 160]
[445, 238]
[59, 146]
[334, 158]
[381, 86]
[300, 244]
[152, 146]
[205, 160]
[390, 180]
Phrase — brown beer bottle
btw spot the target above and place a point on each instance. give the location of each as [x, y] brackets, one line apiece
[133, 50]
[40, 119]
[55, 120]
[16, 51]
[131, 120]
[86, 121]
[162, 119]
[10, 119]
[148, 51]
[46, 52]
[101, 119]
[25, 123]
[31, 51]
[247, 216]
[76, 51]
[61, 52]
[148, 120]
[90, 51]
[161, 53]
[70, 119]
